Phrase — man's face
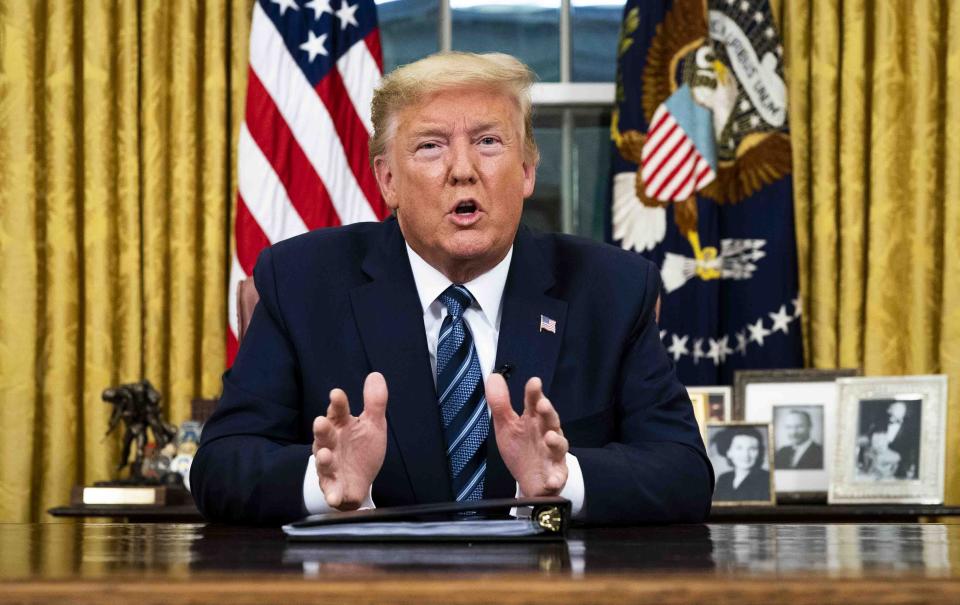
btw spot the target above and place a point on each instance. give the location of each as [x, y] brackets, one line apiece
[797, 428]
[454, 171]
[896, 411]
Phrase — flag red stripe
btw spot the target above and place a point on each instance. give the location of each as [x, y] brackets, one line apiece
[250, 237]
[690, 175]
[354, 137]
[656, 125]
[674, 172]
[373, 45]
[232, 346]
[665, 138]
[703, 174]
[274, 138]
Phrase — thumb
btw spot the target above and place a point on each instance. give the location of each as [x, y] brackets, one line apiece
[498, 398]
[375, 394]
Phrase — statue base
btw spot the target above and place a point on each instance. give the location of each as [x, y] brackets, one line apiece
[127, 494]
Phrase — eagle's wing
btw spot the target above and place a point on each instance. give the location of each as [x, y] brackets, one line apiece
[635, 225]
[765, 159]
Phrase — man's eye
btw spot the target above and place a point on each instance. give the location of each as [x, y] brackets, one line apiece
[427, 146]
[489, 141]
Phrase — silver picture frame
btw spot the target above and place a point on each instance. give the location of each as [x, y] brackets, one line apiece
[891, 446]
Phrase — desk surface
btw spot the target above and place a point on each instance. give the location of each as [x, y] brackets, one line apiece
[74, 562]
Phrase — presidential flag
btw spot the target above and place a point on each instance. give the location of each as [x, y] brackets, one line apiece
[302, 153]
[701, 181]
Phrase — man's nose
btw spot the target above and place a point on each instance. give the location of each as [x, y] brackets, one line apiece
[463, 171]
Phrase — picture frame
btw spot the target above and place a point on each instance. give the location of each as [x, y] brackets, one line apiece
[891, 446]
[701, 412]
[801, 405]
[719, 400]
[742, 379]
[746, 447]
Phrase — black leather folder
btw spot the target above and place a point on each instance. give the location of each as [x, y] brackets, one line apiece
[543, 518]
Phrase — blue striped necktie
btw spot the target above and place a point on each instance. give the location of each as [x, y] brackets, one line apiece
[463, 406]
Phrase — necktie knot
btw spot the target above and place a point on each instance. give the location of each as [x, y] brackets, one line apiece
[456, 298]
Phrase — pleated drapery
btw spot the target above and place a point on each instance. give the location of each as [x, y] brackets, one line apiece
[875, 116]
[117, 129]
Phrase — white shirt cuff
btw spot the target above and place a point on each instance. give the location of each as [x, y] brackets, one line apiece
[573, 490]
[313, 499]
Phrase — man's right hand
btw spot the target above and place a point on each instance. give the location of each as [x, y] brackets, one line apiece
[349, 450]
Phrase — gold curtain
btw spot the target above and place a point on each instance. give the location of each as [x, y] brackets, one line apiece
[875, 118]
[117, 125]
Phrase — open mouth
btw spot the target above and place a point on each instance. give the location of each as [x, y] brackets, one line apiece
[466, 207]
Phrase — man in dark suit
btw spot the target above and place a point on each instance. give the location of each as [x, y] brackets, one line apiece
[803, 453]
[903, 436]
[360, 381]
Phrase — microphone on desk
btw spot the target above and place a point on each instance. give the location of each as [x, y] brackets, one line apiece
[504, 370]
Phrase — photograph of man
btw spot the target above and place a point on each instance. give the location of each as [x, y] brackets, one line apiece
[798, 444]
[450, 353]
[740, 462]
[888, 442]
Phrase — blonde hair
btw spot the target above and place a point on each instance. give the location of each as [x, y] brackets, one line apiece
[409, 84]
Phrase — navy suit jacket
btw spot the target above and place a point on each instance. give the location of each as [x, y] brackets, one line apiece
[336, 304]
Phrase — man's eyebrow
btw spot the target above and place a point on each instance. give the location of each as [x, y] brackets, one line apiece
[493, 125]
[429, 131]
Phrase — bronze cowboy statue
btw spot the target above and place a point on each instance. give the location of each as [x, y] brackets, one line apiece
[138, 406]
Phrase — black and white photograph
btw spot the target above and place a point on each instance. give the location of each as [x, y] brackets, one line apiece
[891, 441]
[888, 440]
[742, 462]
[798, 437]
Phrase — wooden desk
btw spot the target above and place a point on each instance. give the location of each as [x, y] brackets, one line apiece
[91, 562]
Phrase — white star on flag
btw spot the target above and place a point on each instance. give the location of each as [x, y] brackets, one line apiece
[758, 17]
[314, 45]
[678, 348]
[346, 15]
[724, 348]
[797, 307]
[714, 352]
[758, 332]
[285, 4]
[697, 350]
[742, 342]
[663, 334]
[781, 320]
[319, 7]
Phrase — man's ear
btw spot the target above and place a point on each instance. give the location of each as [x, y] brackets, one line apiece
[529, 178]
[381, 169]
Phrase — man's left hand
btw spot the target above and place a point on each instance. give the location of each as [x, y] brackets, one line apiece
[532, 445]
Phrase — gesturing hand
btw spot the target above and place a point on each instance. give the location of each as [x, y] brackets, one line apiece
[349, 449]
[532, 445]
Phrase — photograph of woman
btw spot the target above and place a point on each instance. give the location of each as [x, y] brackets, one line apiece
[739, 455]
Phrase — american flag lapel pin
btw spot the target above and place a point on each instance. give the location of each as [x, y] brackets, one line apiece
[548, 325]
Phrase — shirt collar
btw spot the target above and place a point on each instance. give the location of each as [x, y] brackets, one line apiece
[487, 288]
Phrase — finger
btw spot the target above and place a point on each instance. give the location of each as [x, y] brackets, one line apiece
[333, 496]
[549, 418]
[324, 433]
[556, 444]
[498, 398]
[338, 411]
[324, 461]
[555, 482]
[375, 395]
[532, 393]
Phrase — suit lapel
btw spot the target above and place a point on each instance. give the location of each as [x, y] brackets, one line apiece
[522, 344]
[390, 321]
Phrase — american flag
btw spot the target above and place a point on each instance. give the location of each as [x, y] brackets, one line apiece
[548, 325]
[302, 152]
[672, 167]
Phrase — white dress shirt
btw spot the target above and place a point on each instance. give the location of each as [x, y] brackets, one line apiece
[483, 319]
